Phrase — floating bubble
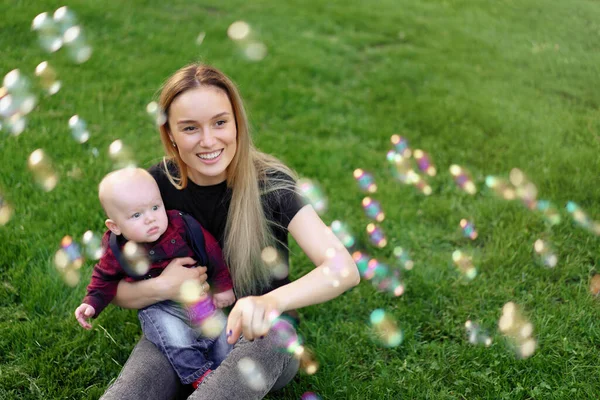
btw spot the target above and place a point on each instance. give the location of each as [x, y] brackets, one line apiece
[464, 263]
[595, 285]
[403, 258]
[252, 374]
[285, 336]
[308, 361]
[545, 254]
[6, 211]
[239, 30]
[313, 195]
[17, 97]
[376, 235]
[255, 51]
[501, 187]
[468, 229]
[373, 209]
[362, 263]
[310, 396]
[582, 219]
[78, 49]
[200, 38]
[525, 190]
[342, 232]
[384, 278]
[203, 314]
[401, 146]
[191, 291]
[156, 113]
[48, 78]
[401, 167]
[517, 329]
[420, 183]
[549, 212]
[365, 180]
[64, 19]
[49, 34]
[272, 259]
[93, 245]
[79, 129]
[463, 179]
[424, 162]
[477, 335]
[120, 155]
[375, 271]
[15, 125]
[43, 171]
[138, 263]
[385, 328]
[68, 261]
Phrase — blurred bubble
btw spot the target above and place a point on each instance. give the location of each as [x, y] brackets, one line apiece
[191, 291]
[376, 235]
[365, 180]
[64, 19]
[595, 285]
[545, 254]
[15, 125]
[49, 34]
[463, 179]
[385, 328]
[464, 263]
[93, 245]
[582, 219]
[252, 374]
[238, 30]
[213, 324]
[43, 171]
[384, 278]
[200, 38]
[79, 129]
[286, 337]
[121, 155]
[403, 258]
[525, 190]
[373, 209]
[156, 113]
[6, 211]
[78, 49]
[401, 167]
[501, 187]
[401, 146]
[424, 162]
[476, 335]
[272, 259]
[68, 261]
[255, 51]
[420, 183]
[310, 396]
[313, 195]
[468, 229]
[362, 262]
[335, 267]
[18, 97]
[308, 361]
[517, 329]
[137, 259]
[549, 212]
[47, 78]
[342, 232]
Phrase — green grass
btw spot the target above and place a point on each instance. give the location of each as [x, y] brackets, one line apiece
[490, 85]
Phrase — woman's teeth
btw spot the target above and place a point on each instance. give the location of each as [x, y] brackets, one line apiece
[210, 156]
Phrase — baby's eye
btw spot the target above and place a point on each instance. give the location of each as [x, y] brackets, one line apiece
[156, 207]
[136, 215]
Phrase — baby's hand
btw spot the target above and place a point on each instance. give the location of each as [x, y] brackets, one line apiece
[224, 299]
[83, 313]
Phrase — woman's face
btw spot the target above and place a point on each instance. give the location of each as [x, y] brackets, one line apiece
[202, 125]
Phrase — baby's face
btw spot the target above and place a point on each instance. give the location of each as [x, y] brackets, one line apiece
[139, 212]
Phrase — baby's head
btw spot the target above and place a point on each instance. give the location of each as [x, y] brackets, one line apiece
[133, 205]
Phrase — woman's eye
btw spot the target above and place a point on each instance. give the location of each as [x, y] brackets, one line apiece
[189, 128]
[221, 123]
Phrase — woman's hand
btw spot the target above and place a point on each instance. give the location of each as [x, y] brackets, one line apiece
[252, 316]
[169, 282]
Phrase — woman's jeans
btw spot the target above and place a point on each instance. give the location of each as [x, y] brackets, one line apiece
[166, 325]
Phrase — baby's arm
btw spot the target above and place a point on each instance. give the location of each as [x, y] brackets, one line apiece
[83, 313]
[224, 299]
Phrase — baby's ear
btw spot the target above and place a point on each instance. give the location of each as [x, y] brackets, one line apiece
[110, 224]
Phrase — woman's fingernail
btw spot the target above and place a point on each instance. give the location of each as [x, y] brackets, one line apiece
[229, 333]
[262, 337]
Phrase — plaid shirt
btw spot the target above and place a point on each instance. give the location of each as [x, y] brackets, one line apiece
[172, 244]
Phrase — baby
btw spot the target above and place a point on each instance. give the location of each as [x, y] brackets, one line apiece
[136, 213]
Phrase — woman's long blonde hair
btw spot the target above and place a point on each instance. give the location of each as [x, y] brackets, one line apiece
[247, 230]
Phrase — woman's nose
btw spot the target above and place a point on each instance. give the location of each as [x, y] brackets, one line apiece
[207, 139]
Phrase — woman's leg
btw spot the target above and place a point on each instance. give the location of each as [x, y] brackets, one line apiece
[226, 382]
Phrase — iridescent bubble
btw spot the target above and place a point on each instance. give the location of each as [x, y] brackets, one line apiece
[373, 209]
[476, 335]
[420, 183]
[64, 19]
[517, 329]
[47, 77]
[308, 361]
[342, 232]
[121, 155]
[582, 219]
[310, 396]
[15, 125]
[286, 338]
[49, 34]
[79, 129]
[272, 259]
[463, 179]
[549, 212]
[401, 146]
[362, 262]
[403, 258]
[595, 285]
[526, 191]
[137, 259]
[156, 113]
[468, 229]
[384, 278]
[424, 162]
[18, 97]
[313, 195]
[238, 30]
[401, 167]
[385, 328]
[545, 254]
[76, 44]
[200, 38]
[191, 291]
[501, 187]
[43, 171]
[365, 180]
[6, 211]
[93, 245]
[464, 263]
[68, 261]
[375, 270]
[252, 374]
[376, 235]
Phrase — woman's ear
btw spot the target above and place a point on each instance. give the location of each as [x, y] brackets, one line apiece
[110, 224]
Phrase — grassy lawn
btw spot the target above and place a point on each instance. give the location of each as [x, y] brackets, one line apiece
[490, 85]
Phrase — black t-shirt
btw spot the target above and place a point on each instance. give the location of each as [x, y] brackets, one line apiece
[210, 205]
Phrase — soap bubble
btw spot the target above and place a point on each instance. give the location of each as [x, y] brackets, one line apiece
[376, 235]
[252, 374]
[401, 146]
[545, 254]
[313, 194]
[464, 263]
[121, 155]
[476, 335]
[342, 232]
[49, 34]
[6, 211]
[373, 209]
[156, 113]
[468, 229]
[238, 30]
[385, 328]
[463, 179]
[43, 171]
[517, 329]
[365, 180]
[93, 245]
[138, 263]
[403, 258]
[48, 78]
[273, 260]
[79, 129]
[424, 162]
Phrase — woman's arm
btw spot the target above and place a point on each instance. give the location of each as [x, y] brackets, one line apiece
[164, 287]
[335, 273]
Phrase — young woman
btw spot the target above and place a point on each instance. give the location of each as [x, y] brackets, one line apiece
[247, 200]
